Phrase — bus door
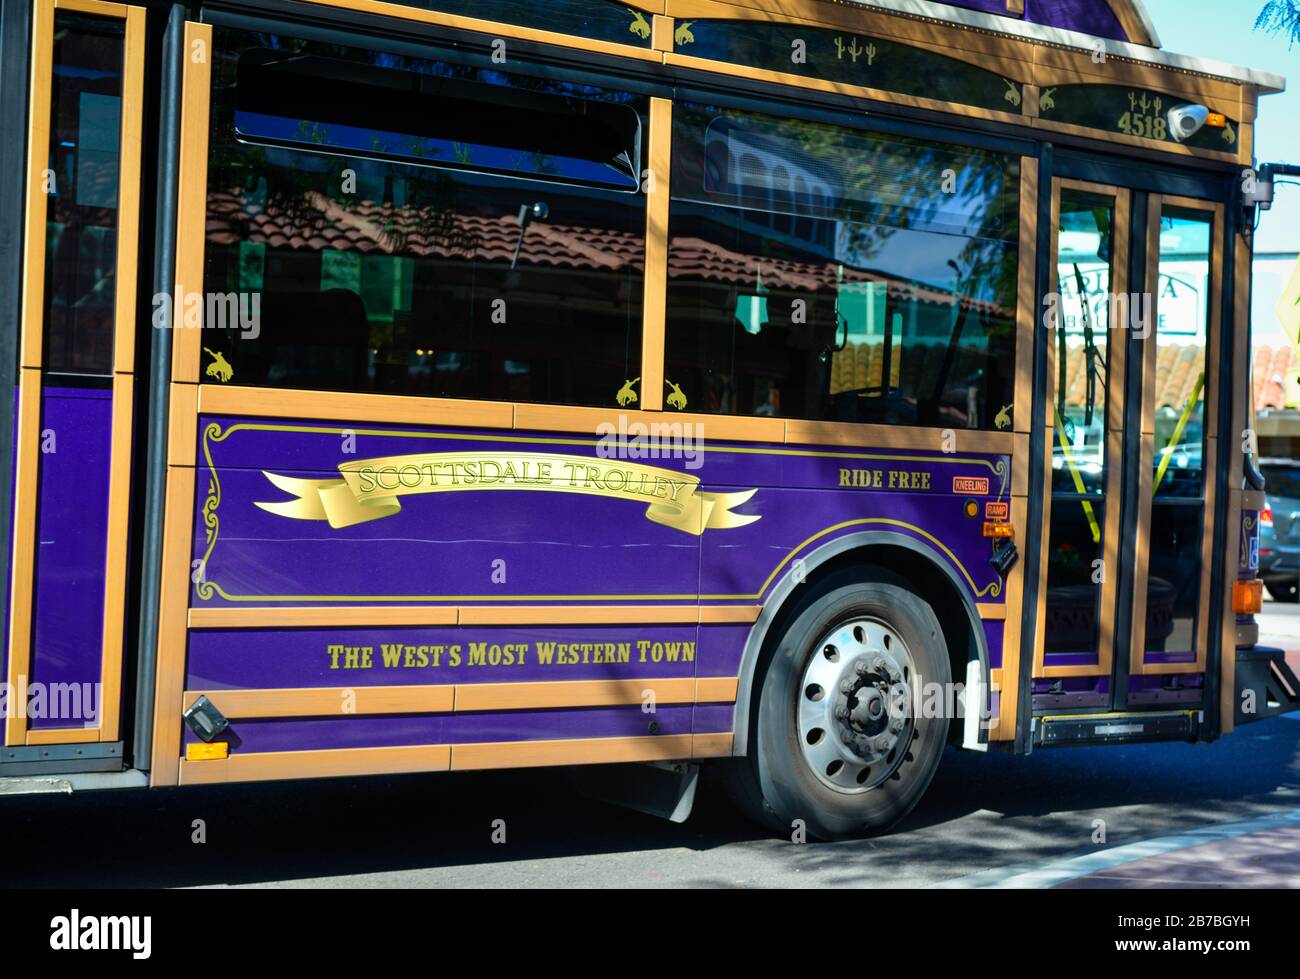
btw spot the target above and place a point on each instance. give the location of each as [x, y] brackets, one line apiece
[76, 384]
[1123, 616]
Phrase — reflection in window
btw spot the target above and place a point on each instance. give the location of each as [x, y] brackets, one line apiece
[1085, 249]
[81, 228]
[1083, 272]
[1073, 581]
[1183, 293]
[826, 273]
[1182, 306]
[415, 227]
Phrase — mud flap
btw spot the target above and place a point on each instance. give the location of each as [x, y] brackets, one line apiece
[662, 789]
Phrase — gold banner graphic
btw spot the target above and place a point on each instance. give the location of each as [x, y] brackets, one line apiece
[370, 488]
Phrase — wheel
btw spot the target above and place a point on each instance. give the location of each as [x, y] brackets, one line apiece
[837, 741]
[1283, 591]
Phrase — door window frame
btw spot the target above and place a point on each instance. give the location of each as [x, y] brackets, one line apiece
[27, 453]
[1117, 358]
[1138, 665]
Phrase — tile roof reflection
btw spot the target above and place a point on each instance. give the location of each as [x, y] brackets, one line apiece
[386, 229]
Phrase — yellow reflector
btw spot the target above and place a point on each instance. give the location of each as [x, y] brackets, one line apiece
[998, 530]
[972, 509]
[1247, 597]
[1217, 120]
[207, 752]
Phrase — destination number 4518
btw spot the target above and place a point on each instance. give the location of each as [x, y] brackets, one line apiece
[1152, 127]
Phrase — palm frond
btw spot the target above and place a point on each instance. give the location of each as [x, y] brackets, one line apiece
[1280, 16]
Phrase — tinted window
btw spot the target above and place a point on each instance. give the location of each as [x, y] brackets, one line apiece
[418, 227]
[826, 273]
[81, 228]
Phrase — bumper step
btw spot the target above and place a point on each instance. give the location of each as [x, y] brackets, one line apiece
[1266, 685]
[1079, 729]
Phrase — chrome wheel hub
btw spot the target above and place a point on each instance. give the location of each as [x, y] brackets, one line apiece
[855, 719]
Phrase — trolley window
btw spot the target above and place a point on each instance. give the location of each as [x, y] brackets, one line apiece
[413, 226]
[826, 273]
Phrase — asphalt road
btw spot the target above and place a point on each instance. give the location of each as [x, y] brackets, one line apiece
[983, 812]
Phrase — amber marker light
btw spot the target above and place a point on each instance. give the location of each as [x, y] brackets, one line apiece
[215, 751]
[1248, 597]
[998, 531]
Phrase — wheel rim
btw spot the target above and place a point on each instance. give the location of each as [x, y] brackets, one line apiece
[854, 717]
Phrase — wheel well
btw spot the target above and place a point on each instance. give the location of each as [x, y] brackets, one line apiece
[922, 574]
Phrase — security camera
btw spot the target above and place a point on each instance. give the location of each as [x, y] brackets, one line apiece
[1185, 121]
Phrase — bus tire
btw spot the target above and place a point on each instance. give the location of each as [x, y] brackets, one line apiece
[836, 743]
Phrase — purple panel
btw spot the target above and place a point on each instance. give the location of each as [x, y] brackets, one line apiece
[984, 6]
[1076, 692]
[253, 736]
[1086, 16]
[72, 534]
[1170, 691]
[721, 649]
[1159, 656]
[1073, 684]
[556, 547]
[1070, 659]
[445, 547]
[713, 718]
[242, 659]
[741, 561]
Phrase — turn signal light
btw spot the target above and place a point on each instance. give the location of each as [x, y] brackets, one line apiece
[1247, 597]
[1217, 120]
[998, 531]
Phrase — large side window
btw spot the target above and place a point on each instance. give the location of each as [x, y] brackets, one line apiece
[817, 272]
[416, 227]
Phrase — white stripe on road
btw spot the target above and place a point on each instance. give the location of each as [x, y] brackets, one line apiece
[1065, 869]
